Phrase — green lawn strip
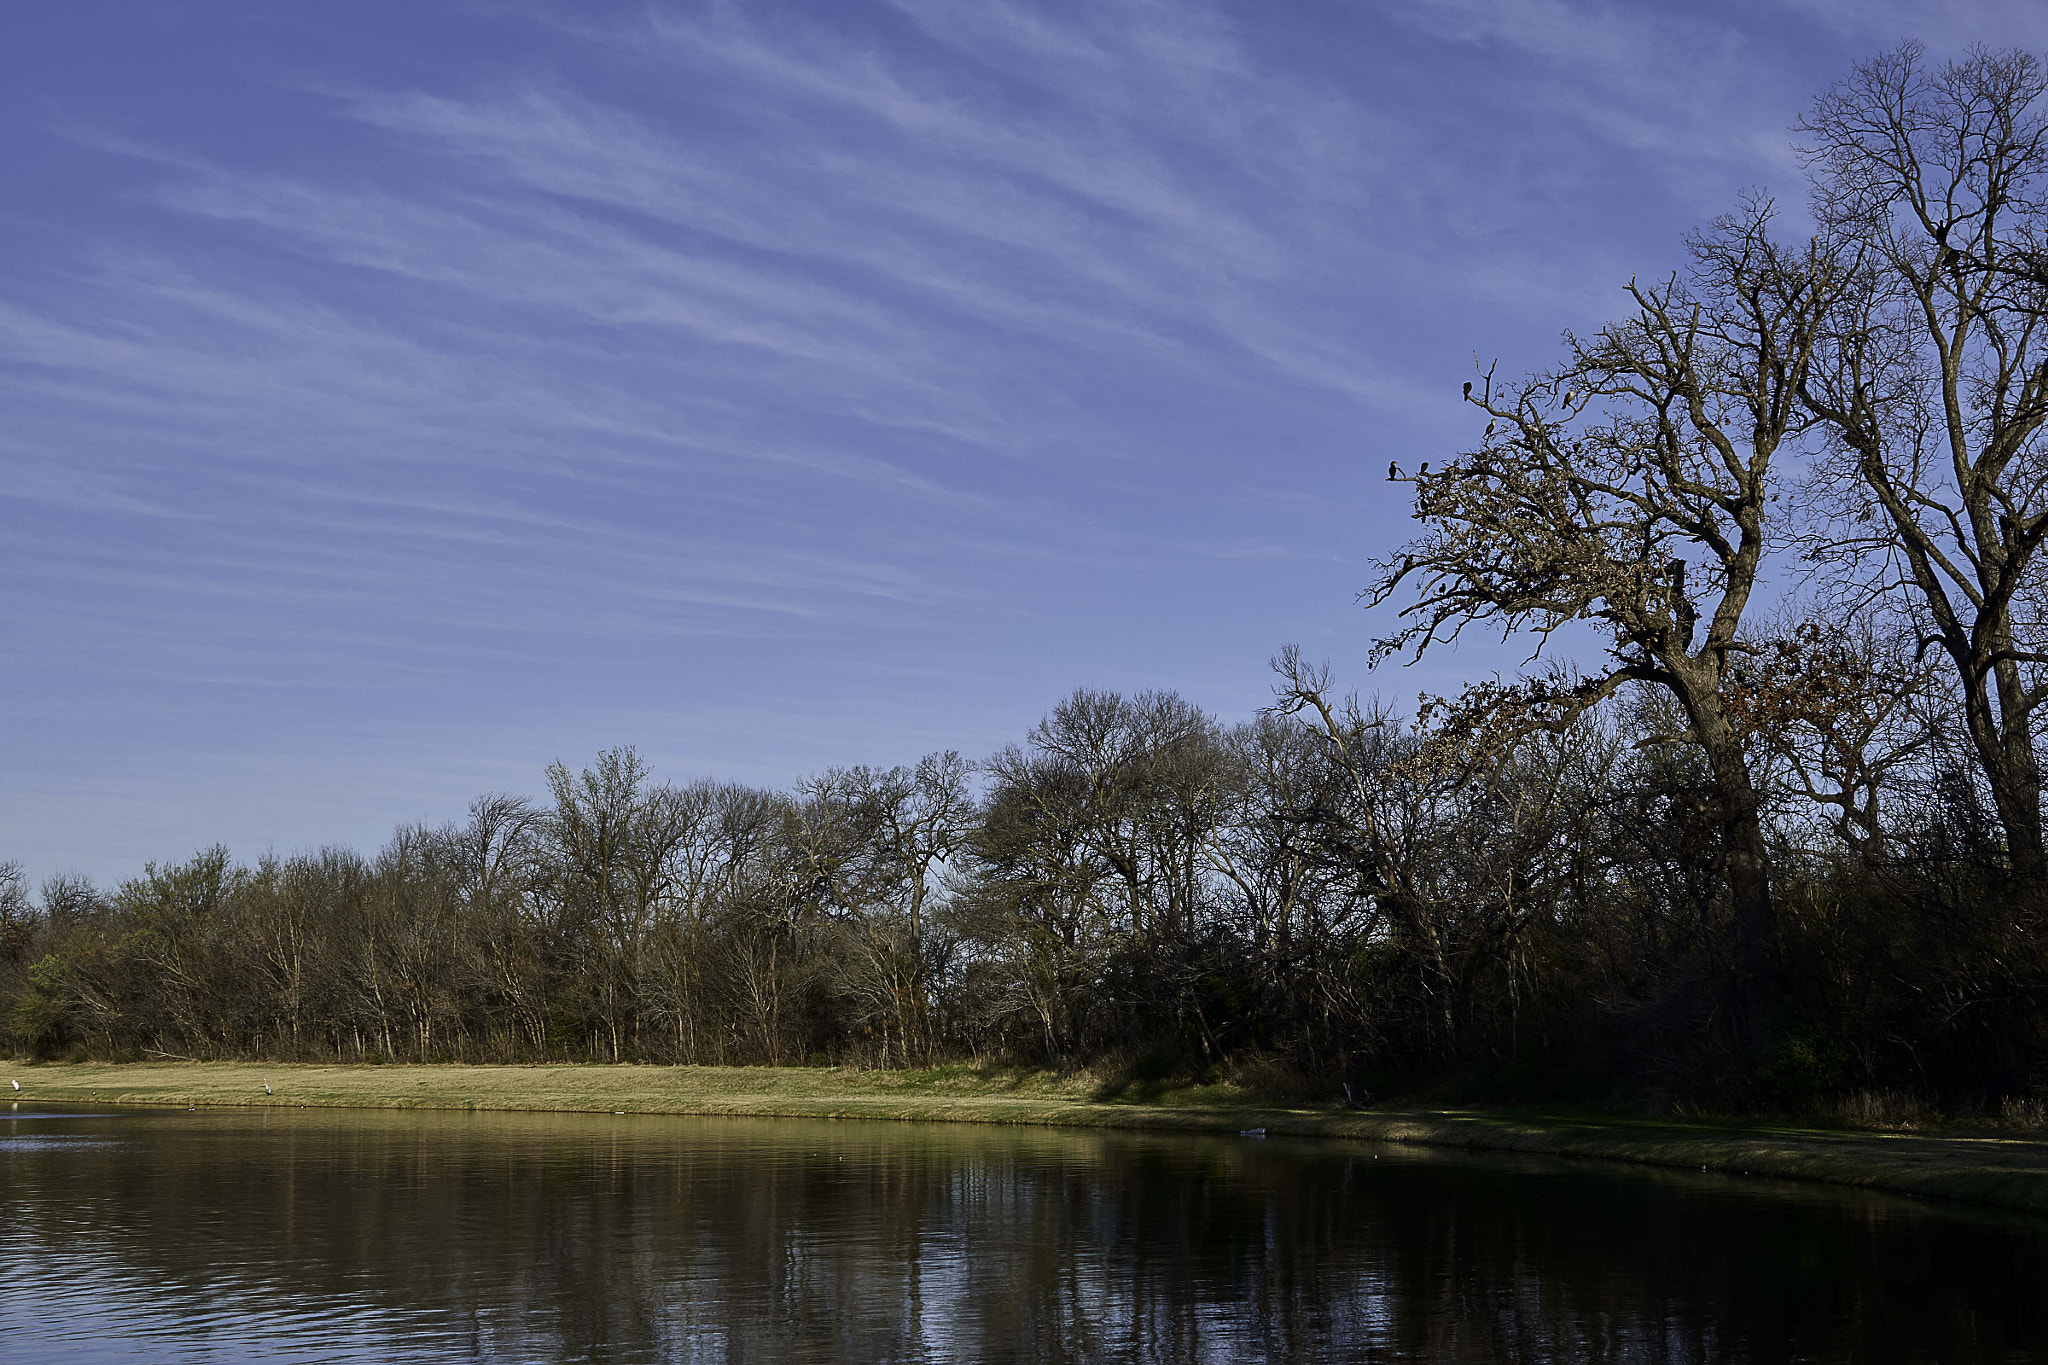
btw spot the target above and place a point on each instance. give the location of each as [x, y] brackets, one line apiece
[2008, 1171]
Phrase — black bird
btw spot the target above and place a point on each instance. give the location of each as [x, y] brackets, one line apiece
[1468, 388]
[1393, 470]
[1424, 469]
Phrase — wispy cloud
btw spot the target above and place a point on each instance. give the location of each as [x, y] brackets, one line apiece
[887, 366]
[1946, 26]
[1692, 98]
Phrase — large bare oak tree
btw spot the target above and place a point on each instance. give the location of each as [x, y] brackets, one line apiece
[1630, 490]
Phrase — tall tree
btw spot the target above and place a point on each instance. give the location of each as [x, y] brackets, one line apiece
[1655, 440]
[1934, 382]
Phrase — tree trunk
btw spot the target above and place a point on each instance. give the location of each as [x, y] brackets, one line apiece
[1746, 863]
[2014, 775]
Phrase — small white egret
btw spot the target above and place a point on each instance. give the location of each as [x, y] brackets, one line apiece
[266, 1087]
[17, 1085]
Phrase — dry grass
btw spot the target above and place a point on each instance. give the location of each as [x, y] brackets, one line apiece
[2004, 1168]
[2028, 1115]
[946, 1094]
[1887, 1111]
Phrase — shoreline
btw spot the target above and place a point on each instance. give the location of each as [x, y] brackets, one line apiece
[1995, 1169]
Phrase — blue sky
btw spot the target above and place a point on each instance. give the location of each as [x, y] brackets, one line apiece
[400, 396]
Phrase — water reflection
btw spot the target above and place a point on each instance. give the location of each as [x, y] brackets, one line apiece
[309, 1235]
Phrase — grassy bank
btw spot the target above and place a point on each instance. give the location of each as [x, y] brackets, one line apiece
[1988, 1168]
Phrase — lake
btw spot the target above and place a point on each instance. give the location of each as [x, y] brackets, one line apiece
[304, 1235]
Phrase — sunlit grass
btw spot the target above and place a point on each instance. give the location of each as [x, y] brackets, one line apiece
[2002, 1169]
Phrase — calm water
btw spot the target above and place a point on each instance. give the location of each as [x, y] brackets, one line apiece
[308, 1235]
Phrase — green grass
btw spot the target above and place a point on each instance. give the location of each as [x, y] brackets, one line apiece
[1999, 1169]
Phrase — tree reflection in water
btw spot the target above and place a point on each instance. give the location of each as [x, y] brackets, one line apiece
[305, 1235]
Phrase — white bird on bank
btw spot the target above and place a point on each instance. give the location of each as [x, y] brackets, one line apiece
[266, 1087]
[17, 1085]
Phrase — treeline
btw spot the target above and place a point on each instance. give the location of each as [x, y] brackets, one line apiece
[1777, 836]
[1306, 900]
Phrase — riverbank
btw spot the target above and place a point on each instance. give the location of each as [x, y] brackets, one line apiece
[2007, 1170]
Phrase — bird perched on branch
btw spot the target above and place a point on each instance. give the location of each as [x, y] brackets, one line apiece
[1393, 471]
[1468, 388]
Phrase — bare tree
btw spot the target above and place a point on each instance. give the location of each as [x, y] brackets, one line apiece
[919, 819]
[498, 853]
[1934, 382]
[607, 879]
[1447, 846]
[1656, 436]
[18, 919]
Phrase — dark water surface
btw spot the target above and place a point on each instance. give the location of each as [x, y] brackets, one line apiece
[359, 1235]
